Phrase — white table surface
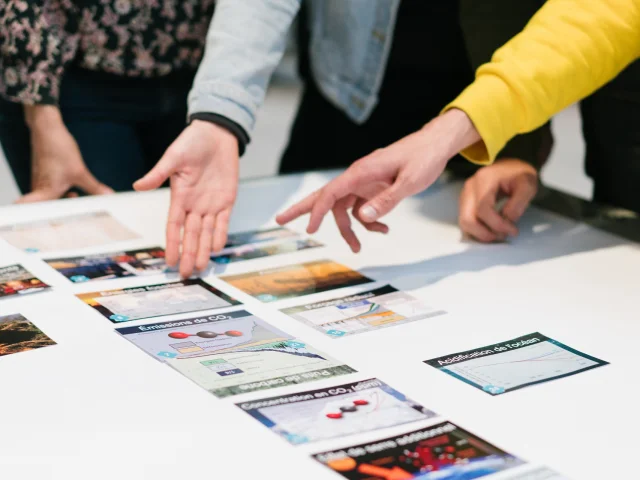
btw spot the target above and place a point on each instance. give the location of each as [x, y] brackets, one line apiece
[96, 407]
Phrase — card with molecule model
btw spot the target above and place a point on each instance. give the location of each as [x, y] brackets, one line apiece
[333, 412]
[192, 337]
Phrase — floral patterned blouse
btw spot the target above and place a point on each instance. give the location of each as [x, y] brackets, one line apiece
[134, 38]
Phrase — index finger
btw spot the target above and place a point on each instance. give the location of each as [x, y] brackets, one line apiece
[344, 185]
[301, 208]
[41, 195]
[522, 195]
[192, 229]
[174, 230]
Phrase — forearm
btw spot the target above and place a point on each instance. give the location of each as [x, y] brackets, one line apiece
[42, 117]
[245, 44]
[569, 49]
[450, 133]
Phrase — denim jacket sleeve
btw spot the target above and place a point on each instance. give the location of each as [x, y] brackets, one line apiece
[245, 44]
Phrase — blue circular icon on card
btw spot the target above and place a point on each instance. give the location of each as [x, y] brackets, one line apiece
[493, 389]
[295, 344]
[119, 318]
[167, 354]
[79, 278]
[267, 297]
[222, 260]
[296, 439]
[336, 333]
[31, 250]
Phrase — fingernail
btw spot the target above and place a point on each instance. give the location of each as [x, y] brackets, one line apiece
[368, 213]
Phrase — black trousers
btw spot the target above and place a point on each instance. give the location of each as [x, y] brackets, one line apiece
[428, 67]
[122, 125]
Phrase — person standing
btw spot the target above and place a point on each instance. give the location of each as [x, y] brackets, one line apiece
[93, 92]
[610, 127]
[566, 52]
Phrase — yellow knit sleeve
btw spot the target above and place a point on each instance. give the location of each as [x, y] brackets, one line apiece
[569, 49]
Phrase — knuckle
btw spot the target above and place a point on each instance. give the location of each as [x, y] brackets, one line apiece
[409, 181]
[189, 252]
[329, 196]
[78, 171]
[468, 183]
[484, 175]
[531, 180]
[178, 154]
[385, 200]
[481, 173]
[378, 152]
[465, 222]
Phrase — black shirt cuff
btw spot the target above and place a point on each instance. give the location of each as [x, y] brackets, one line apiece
[233, 127]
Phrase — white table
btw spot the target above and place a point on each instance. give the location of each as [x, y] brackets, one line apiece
[95, 407]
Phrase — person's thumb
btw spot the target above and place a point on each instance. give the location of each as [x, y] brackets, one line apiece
[40, 195]
[157, 175]
[91, 185]
[384, 202]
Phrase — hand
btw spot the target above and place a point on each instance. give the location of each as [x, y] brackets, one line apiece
[203, 165]
[57, 164]
[512, 178]
[376, 184]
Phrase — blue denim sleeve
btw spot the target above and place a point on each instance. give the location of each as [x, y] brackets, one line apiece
[245, 44]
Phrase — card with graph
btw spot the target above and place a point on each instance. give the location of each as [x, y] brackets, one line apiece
[252, 368]
[514, 364]
[333, 412]
[363, 312]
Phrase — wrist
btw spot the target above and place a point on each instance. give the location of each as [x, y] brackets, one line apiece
[458, 131]
[41, 118]
[226, 124]
[518, 163]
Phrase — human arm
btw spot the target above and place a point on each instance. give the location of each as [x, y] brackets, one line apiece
[56, 161]
[508, 178]
[37, 42]
[245, 43]
[513, 178]
[569, 49]
[375, 184]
